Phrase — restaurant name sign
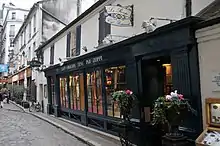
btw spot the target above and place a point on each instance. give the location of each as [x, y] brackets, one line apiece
[119, 15]
[79, 64]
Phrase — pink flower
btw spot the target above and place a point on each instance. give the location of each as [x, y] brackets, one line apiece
[180, 96]
[168, 97]
[129, 92]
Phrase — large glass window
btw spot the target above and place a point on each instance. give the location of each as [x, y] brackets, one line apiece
[94, 92]
[115, 80]
[77, 97]
[63, 93]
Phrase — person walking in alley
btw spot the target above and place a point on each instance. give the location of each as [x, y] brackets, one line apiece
[1, 100]
[9, 96]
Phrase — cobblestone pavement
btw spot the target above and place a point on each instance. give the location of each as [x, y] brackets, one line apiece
[21, 129]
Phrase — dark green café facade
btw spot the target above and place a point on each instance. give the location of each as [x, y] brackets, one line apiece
[151, 65]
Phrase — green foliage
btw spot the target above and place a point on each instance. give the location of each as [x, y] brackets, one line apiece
[171, 111]
[17, 91]
[125, 101]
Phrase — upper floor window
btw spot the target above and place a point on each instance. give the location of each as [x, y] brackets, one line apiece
[11, 42]
[29, 53]
[34, 25]
[74, 39]
[52, 54]
[29, 30]
[72, 44]
[12, 31]
[104, 28]
[22, 43]
[13, 15]
[34, 46]
[25, 36]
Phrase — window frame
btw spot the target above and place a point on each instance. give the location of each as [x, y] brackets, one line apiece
[90, 70]
[34, 23]
[12, 31]
[13, 15]
[67, 93]
[73, 73]
[104, 75]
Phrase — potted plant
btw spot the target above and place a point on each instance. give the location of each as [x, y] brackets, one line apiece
[125, 100]
[171, 110]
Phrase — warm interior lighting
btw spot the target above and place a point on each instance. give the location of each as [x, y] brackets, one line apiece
[166, 65]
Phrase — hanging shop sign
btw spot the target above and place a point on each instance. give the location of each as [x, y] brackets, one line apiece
[21, 75]
[3, 68]
[83, 63]
[10, 80]
[28, 72]
[119, 15]
[15, 78]
[35, 63]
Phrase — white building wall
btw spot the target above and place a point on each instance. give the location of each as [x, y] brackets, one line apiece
[59, 50]
[89, 34]
[208, 49]
[19, 18]
[143, 11]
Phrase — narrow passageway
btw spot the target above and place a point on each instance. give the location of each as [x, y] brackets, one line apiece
[21, 129]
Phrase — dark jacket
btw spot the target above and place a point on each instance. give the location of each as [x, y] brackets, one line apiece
[1, 97]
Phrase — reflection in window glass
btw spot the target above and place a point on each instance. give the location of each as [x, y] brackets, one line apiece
[77, 97]
[63, 93]
[115, 80]
[94, 92]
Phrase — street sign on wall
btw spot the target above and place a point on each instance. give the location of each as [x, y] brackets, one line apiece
[3, 68]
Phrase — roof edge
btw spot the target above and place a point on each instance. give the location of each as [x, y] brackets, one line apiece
[208, 23]
[25, 21]
[83, 15]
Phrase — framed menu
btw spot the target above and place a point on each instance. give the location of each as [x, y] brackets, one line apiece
[213, 111]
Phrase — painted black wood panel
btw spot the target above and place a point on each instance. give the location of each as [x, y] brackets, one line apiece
[68, 44]
[78, 40]
[181, 76]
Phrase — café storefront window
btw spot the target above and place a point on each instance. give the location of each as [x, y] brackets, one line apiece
[77, 97]
[94, 92]
[63, 93]
[115, 80]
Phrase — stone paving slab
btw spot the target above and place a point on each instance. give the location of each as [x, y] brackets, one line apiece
[18, 128]
[82, 133]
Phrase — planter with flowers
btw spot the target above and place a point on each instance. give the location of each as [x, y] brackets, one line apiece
[125, 100]
[171, 110]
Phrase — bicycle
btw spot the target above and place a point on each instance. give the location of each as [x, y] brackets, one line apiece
[35, 107]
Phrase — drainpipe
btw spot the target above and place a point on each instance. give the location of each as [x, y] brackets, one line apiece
[188, 7]
[79, 6]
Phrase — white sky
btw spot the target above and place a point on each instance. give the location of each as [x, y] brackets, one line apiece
[25, 4]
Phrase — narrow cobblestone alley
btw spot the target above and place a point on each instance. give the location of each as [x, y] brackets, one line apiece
[21, 129]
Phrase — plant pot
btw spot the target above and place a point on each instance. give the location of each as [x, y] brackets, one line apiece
[25, 104]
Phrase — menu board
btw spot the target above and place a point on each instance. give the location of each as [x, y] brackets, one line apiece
[215, 113]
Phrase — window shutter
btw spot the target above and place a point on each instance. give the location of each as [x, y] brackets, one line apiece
[78, 39]
[52, 54]
[104, 28]
[68, 44]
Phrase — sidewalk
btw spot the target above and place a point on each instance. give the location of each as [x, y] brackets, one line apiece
[88, 135]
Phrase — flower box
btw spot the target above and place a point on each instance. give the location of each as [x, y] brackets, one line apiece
[211, 134]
